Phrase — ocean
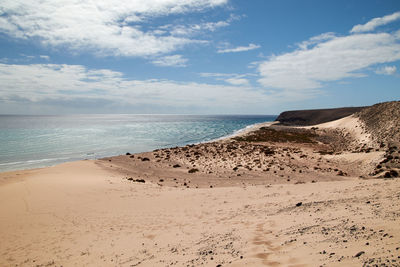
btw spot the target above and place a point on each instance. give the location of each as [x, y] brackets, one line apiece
[38, 141]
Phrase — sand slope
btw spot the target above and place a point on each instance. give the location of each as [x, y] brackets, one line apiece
[270, 197]
[78, 214]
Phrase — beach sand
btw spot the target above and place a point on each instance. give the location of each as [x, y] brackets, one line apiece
[219, 207]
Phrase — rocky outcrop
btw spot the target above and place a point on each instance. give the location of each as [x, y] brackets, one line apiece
[382, 121]
[315, 116]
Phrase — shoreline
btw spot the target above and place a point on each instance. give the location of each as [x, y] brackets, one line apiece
[237, 132]
[265, 196]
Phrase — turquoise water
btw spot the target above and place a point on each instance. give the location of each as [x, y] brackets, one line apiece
[39, 141]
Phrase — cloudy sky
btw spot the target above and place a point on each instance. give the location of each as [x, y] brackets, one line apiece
[196, 56]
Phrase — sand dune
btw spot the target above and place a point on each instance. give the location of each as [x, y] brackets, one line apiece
[78, 214]
[272, 196]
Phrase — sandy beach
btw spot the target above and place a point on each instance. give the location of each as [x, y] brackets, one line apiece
[313, 198]
[191, 133]
[77, 214]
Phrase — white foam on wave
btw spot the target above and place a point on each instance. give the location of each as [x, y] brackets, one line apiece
[63, 140]
[32, 161]
[247, 129]
[37, 163]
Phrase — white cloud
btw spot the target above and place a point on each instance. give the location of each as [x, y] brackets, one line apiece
[376, 22]
[192, 29]
[332, 59]
[386, 70]
[254, 64]
[237, 81]
[174, 61]
[230, 78]
[106, 27]
[316, 39]
[216, 75]
[73, 84]
[239, 49]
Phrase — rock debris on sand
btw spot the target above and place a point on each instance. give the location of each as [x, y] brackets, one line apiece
[321, 195]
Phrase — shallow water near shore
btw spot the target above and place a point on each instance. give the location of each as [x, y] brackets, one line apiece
[39, 141]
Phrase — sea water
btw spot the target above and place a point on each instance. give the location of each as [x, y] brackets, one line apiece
[38, 141]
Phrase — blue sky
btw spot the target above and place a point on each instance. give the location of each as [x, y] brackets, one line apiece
[196, 57]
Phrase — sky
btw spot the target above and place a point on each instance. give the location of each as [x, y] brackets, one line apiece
[196, 56]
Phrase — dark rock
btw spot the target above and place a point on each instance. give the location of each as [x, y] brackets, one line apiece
[299, 204]
[137, 180]
[145, 159]
[317, 116]
[128, 154]
[387, 175]
[193, 170]
[359, 254]
[176, 166]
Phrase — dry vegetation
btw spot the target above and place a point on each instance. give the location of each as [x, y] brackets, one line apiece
[279, 135]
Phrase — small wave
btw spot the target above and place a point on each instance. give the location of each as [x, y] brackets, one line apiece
[30, 162]
[101, 138]
[237, 132]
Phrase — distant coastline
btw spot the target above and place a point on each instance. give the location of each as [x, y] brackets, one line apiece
[315, 116]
